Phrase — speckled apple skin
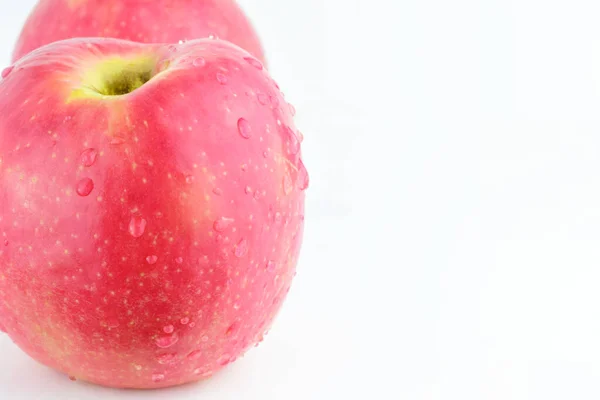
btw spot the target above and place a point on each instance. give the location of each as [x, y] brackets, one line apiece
[178, 259]
[146, 21]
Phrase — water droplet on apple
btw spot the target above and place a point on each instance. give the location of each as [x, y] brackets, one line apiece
[189, 179]
[194, 355]
[199, 62]
[221, 78]
[244, 167]
[169, 329]
[248, 190]
[166, 358]
[158, 378]
[293, 145]
[137, 226]
[137, 367]
[292, 109]
[167, 341]
[303, 179]
[241, 248]
[85, 187]
[202, 373]
[88, 157]
[274, 100]
[287, 184]
[262, 98]
[256, 194]
[179, 260]
[271, 266]
[244, 128]
[116, 141]
[265, 154]
[254, 62]
[233, 328]
[6, 71]
[184, 321]
[151, 260]
[217, 191]
[222, 223]
[258, 342]
[6, 242]
[224, 359]
[300, 137]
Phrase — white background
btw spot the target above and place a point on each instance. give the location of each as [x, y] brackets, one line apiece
[452, 246]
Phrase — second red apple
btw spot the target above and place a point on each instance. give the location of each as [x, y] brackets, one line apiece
[146, 21]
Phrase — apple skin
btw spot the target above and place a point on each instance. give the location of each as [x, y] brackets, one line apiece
[146, 21]
[147, 239]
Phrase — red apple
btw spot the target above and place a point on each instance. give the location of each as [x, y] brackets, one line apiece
[146, 21]
[151, 207]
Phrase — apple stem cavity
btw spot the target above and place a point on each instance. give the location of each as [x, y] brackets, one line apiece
[116, 76]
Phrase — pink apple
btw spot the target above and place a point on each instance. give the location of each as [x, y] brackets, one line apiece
[147, 21]
[151, 208]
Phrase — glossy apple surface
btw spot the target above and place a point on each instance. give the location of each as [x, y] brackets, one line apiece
[151, 208]
[146, 21]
